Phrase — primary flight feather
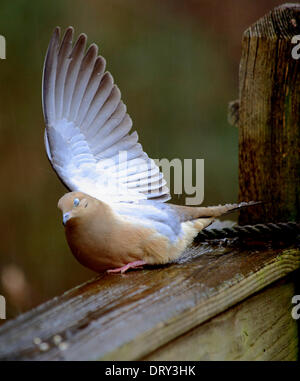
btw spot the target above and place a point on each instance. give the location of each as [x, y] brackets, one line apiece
[115, 216]
[87, 127]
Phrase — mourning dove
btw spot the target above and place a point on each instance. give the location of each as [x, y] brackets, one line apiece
[115, 216]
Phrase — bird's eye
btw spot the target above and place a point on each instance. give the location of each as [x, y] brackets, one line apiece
[76, 201]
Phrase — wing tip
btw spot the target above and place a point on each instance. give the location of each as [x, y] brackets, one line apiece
[82, 37]
[56, 31]
[68, 36]
[69, 29]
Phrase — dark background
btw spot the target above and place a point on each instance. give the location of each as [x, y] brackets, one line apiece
[176, 63]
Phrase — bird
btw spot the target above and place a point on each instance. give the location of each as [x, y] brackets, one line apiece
[115, 214]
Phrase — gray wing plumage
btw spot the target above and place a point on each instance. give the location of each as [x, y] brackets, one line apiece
[87, 136]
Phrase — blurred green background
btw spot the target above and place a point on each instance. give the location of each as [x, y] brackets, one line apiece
[176, 63]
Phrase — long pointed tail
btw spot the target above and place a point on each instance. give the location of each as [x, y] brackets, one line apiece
[221, 210]
[187, 213]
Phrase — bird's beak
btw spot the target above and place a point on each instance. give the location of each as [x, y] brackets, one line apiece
[66, 217]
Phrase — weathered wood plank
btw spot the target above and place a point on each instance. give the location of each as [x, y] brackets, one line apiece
[127, 317]
[259, 328]
[269, 118]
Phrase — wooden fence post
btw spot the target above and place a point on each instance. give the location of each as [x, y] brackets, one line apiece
[269, 117]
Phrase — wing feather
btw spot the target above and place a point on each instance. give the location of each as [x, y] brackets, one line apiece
[76, 57]
[91, 89]
[84, 74]
[87, 136]
[62, 68]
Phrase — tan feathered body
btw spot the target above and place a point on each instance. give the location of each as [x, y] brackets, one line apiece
[102, 239]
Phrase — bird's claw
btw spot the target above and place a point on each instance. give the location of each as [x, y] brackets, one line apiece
[131, 265]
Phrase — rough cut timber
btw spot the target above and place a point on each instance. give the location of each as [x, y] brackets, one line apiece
[129, 317]
[259, 328]
[269, 118]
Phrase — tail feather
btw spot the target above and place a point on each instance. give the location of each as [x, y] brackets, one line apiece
[229, 208]
[188, 213]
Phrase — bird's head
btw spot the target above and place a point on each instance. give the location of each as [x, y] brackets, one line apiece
[75, 205]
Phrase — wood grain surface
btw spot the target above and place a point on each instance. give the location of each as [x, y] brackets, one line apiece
[127, 317]
[269, 118]
[259, 328]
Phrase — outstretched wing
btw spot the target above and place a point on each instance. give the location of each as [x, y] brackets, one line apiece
[87, 135]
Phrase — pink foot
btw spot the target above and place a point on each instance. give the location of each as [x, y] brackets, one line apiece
[131, 265]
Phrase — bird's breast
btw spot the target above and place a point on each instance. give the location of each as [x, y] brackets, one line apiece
[101, 244]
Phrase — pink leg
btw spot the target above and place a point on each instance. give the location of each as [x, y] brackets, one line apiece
[131, 265]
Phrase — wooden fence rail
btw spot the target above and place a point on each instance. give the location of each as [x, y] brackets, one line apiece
[228, 299]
